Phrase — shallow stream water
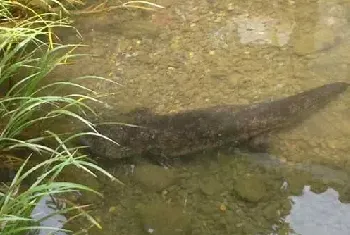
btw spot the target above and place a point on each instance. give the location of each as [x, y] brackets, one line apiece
[194, 54]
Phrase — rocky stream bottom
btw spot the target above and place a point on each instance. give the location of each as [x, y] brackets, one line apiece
[230, 193]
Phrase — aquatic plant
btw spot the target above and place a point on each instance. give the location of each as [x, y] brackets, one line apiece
[28, 54]
[17, 204]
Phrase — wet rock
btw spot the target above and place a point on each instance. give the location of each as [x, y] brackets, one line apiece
[161, 218]
[210, 186]
[154, 177]
[250, 188]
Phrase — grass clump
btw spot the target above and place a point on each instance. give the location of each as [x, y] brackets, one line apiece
[27, 55]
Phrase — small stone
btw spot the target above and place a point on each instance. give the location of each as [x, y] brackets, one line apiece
[218, 20]
[112, 209]
[223, 207]
[332, 144]
[230, 7]
[164, 193]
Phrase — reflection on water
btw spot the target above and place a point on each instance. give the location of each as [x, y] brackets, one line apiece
[203, 53]
[320, 214]
[46, 207]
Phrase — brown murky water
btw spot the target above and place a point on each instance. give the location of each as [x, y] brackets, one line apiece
[202, 53]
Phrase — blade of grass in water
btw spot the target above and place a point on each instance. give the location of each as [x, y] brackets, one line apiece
[29, 47]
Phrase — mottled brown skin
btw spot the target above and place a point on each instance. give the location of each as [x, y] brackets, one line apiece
[192, 131]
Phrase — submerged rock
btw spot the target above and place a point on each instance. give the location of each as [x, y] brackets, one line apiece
[163, 219]
[210, 187]
[250, 188]
[154, 177]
